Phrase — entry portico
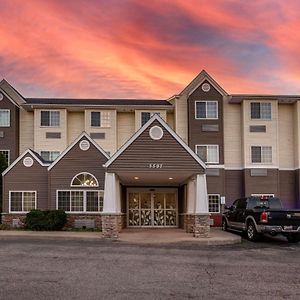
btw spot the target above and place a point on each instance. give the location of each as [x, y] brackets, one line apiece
[155, 180]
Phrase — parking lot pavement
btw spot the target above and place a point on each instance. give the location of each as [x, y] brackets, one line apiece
[42, 269]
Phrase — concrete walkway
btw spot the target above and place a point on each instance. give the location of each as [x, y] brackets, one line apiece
[132, 236]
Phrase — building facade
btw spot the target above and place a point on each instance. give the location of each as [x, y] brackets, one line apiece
[114, 163]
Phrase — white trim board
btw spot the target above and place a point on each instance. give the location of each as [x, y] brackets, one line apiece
[83, 134]
[28, 151]
[142, 129]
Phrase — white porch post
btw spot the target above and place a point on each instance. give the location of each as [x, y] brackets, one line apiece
[201, 206]
[112, 199]
[111, 216]
[191, 196]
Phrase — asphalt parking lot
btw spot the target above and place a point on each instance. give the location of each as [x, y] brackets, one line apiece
[41, 269]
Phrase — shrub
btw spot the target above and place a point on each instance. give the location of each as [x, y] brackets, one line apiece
[45, 220]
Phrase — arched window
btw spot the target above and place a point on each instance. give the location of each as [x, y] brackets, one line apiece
[84, 179]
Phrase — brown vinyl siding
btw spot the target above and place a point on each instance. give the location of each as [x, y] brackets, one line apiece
[216, 184]
[234, 185]
[144, 151]
[21, 178]
[262, 184]
[74, 162]
[287, 188]
[197, 136]
[10, 141]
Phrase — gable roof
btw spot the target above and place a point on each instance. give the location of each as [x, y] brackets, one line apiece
[12, 94]
[36, 156]
[198, 80]
[142, 129]
[83, 134]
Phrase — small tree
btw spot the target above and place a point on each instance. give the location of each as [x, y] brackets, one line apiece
[3, 166]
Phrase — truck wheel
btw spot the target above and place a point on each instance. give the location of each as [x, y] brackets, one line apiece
[293, 238]
[224, 225]
[252, 233]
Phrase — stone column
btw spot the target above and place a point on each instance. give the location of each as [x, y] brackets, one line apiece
[111, 217]
[201, 222]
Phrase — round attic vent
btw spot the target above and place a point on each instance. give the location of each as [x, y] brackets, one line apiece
[206, 87]
[156, 133]
[1, 96]
[84, 145]
[28, 162]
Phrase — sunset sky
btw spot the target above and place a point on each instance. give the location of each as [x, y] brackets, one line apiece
[148, 48]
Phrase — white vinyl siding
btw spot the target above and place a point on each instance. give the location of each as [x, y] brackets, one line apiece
[206, 110]
[4, 117]
[208, 153]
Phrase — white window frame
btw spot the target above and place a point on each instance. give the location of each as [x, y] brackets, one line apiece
[21, 212]
[263, 195]
[102, 113]
[50, 125]
[219, 206]
[86, 186]
[50, 151]
[262, 162]
[206, 101]
[6, 110]
[84, 201]
[260, 118]
[8, 162]
[206, 145]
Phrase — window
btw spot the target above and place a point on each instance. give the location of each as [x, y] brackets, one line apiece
[84, 179]
[80, 201]
[5, 153]
[22, 201]
[214, 203]
[206, 110]
[50, 118]
[100, 119]
[49, 155]
[146, 116]
[4, 117]
[208, 153]
[261, 154]
[261, 111]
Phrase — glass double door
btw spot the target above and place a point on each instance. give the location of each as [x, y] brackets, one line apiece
[152, 209]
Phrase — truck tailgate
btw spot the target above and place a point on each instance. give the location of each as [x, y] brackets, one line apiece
[284, 217]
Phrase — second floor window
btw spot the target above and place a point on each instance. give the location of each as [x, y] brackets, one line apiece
[50, 118]
[5, 154]
[262, 111]
[4, 118]
[49, 156]
[146, 116]
[206, 110]
[261, 154]
[208, 153]
[100, 119]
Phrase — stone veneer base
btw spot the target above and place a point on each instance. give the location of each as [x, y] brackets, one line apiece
[198, 224]
[112, 224]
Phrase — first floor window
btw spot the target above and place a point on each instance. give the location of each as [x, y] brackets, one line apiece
[80, 201]
[4, 117]
[50, 118]
[100, 119]
[146, 116]
[5, 154]
[22, 201]
[214, 203]
[208, 153]
[261, 154]
[49, 155]
[261, 110]
[206, 110]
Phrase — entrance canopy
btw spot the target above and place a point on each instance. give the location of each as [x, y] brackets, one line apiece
[155, 156]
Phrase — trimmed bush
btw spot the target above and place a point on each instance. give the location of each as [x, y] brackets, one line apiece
[45, 220]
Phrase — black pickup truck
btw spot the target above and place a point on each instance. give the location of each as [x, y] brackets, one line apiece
[256, 216]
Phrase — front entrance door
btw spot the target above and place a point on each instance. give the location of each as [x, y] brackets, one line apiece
[152, 208]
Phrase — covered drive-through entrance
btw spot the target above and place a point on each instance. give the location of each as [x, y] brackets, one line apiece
[155, 180]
